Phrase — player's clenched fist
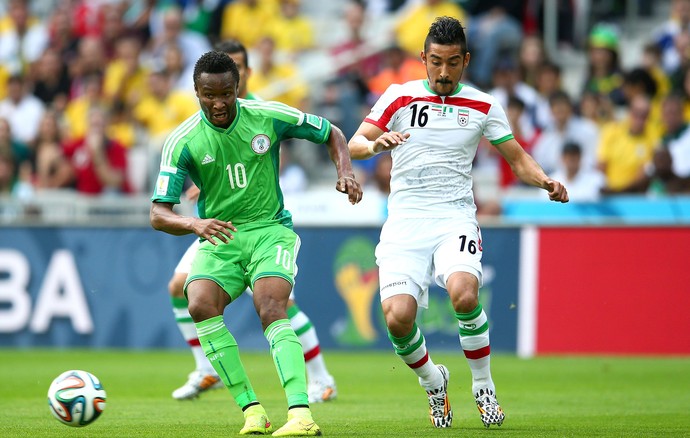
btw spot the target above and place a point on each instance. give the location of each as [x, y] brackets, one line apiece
[557, 191]
[349, 185]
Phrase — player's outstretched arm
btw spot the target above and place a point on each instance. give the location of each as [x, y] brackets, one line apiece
[529, 172]
[370, 140]
[340, 155]
[163, 218]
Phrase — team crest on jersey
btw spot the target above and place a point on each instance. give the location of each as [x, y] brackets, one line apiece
[463, 117]
[261, 143]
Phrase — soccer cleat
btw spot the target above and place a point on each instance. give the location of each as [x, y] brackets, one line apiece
[256, 421]
[439, 407]
[196, 384]
[322, 390]
[299, 423]
[489, 409]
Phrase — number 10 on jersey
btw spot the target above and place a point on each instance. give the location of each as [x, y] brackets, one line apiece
[237, 175]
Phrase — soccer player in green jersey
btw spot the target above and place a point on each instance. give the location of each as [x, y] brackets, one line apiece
[230, 149]
[320, 383]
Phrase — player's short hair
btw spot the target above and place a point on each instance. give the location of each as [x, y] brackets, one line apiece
[233, 46]
[215, 62]
[446, 31]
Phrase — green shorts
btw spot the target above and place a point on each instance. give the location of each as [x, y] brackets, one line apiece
[254, 253]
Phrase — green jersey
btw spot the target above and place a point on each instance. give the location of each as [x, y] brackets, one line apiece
[236, 169]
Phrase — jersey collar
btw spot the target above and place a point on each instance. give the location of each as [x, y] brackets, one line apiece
[428, 88]
[229, 129]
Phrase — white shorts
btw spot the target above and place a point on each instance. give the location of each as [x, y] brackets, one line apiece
[413, 252]
[185, 264]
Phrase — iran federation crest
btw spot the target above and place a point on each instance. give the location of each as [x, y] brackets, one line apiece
[463, 117]
[261, 143]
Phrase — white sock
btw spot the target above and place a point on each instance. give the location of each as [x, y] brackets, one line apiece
[412, 350]
[474, 339]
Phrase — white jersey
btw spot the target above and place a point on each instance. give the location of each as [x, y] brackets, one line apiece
[431, 176]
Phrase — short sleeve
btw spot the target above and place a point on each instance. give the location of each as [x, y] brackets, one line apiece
[497, 129]
[310, 127]
[171, 177]
[603, 149]
[383, 112]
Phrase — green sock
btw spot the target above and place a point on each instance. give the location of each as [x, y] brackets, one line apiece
[222, 351]
[289, 361]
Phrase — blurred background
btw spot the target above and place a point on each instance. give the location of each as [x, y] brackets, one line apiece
[597, 91]
[605, 78]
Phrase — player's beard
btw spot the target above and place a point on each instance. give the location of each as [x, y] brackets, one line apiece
[444, 87]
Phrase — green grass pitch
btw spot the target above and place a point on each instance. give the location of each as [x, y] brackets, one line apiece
[378, 396]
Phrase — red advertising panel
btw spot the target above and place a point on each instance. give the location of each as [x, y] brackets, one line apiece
[613, 291]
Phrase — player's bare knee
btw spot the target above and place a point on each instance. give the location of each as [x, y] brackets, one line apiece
[176, 285]
[463, 289]
[399, 328]
[465, 302]
[198, 310]
[206, 300]
[269, 308]
[174, 289]
[270, 314]
[202, 309]
[398, 321]
[399, 312]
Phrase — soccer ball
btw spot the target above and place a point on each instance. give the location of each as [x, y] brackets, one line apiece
[76, 398]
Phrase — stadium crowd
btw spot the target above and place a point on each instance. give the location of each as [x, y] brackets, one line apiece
[89, 89]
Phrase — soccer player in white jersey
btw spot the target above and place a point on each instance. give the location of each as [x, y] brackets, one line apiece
[321, 384]
[432, 128]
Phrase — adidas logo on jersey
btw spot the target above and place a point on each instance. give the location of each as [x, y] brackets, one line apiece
[208, 159]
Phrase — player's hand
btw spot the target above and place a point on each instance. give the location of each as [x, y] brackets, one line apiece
[349, 185]
[557, 191]
[389, 140]
[214, 230]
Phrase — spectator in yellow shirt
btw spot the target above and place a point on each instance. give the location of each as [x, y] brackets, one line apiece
[639, 81]
[23, 38]
[626, 147]
[121, 126]
[292, 32]
[245, 20]
[412, 27]
[125, 78]
[77, 110]
[277, 81]
[163, 109]
[4, 76]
